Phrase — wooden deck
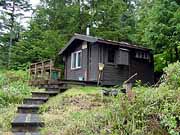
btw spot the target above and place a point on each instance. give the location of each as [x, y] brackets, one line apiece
[44, 70]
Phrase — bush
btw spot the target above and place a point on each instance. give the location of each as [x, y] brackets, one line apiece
[13, 87]
[154, 111]
[172, 75]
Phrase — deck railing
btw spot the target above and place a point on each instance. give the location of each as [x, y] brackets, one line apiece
[44, 70]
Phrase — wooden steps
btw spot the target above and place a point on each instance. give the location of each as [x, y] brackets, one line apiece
[62, 89]
[26, 108]
[27, 121]
[45, 93]
[26, 133]
[35, 100]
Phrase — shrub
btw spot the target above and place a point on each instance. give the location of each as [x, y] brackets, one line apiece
[13, 87]
[172, 75]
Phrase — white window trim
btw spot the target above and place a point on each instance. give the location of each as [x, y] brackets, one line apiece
[72, 62]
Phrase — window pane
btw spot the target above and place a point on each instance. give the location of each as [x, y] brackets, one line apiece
[79, 60]
[74, 60]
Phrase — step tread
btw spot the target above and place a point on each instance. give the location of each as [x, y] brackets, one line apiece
[55, 89]
[36, 98]
[27, 119]
[46, 92]
[29, 106]
[26, 133]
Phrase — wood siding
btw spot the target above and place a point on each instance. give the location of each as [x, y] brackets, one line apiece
[144, 68]
[93, 62]
[122, 57]
[74, 74]
[113, 74]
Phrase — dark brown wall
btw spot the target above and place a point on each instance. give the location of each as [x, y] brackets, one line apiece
[144, 68]
[113, 74]
[93, 60]
[74, 74]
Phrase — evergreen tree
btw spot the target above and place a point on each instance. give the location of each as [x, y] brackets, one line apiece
[11, 12]
[158, 28]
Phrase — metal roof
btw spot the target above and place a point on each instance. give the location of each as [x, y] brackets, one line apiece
[102, 41]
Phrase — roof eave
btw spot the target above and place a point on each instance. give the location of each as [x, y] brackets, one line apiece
[80, 37]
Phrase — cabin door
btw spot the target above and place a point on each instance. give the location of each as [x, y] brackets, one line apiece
[93, 62]
[88, 63]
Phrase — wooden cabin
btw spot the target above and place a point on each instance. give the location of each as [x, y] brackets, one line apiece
[93, 59]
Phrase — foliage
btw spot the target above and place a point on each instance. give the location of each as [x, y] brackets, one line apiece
[158, 28]
[153, 24]
[13, 87]
[6, 116]
[11, 15]
[52, 27]
[172, 75]
[83, 110]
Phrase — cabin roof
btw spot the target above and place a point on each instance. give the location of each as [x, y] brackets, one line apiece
[92, 39]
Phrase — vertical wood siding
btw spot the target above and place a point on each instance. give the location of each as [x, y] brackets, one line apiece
[74, 74]
[93, 62]
[144, 68]
[113, 74]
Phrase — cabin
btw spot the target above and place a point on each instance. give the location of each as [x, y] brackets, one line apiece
[92, 59]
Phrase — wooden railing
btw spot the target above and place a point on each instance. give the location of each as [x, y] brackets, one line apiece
[44, 70]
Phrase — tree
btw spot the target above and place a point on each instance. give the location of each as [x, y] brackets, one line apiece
[109, 19]
[12, 11]
[158, 27]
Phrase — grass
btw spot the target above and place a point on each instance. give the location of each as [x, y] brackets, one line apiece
[83, 111]
[76, 111]
[6, 116]
[13, 89]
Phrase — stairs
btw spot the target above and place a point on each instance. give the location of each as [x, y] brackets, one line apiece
[26, 108]
[27, 120]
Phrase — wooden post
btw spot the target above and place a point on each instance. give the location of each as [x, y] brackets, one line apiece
[128, 86]
[35, 77]
[42, 69]
[29, 77]
[50, 69]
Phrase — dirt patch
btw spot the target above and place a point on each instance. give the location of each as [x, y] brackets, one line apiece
[86, 102]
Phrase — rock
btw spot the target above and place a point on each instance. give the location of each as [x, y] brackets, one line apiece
[105, 92]
[114, 92]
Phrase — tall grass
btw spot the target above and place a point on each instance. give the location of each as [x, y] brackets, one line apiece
[153, 111]
[13, 88]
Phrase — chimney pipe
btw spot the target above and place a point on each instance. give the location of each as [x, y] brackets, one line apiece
[88, 30]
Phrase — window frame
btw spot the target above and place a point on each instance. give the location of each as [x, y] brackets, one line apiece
[75, 58]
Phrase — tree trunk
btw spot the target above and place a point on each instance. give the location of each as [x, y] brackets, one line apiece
[177, 53]
[11, 33]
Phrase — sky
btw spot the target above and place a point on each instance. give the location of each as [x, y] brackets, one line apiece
[28, 14]
[34, 2]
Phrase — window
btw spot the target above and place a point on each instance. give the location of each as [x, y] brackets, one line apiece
[111, 55]
[142, 55]
[76, 60]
